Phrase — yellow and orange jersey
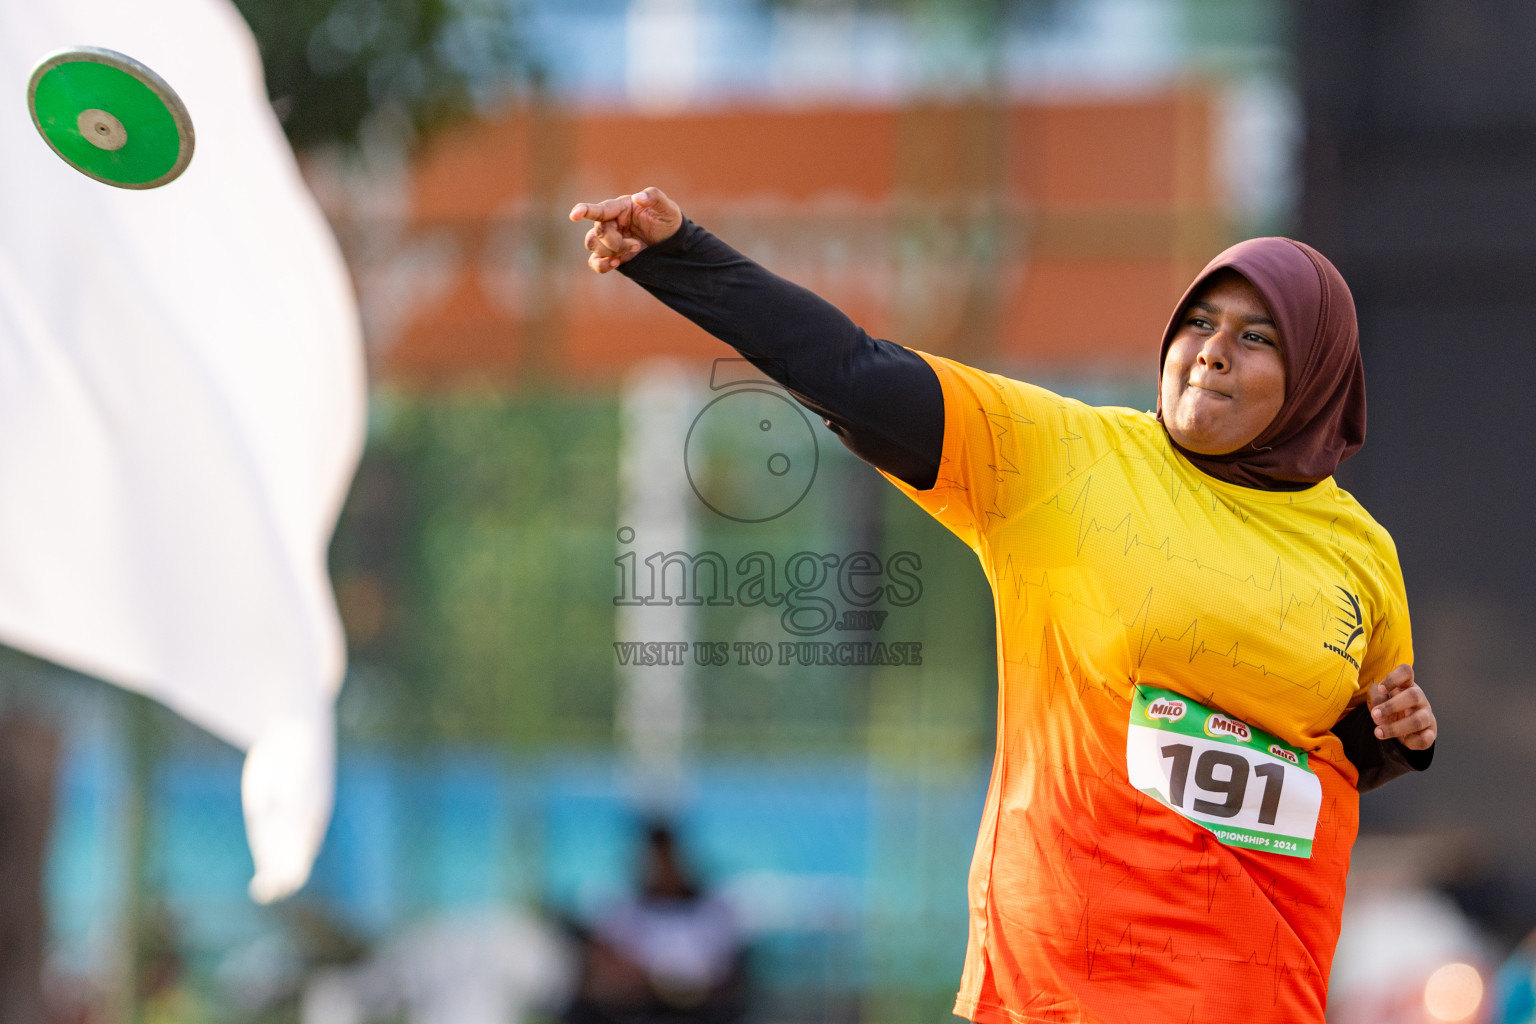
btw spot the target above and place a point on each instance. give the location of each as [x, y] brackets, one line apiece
[1119, 569]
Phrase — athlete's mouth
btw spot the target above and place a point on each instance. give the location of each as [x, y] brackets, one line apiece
[1202, 387]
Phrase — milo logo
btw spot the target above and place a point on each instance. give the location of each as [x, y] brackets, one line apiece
[1285, 755]
[1168, 710]
[1220, 725]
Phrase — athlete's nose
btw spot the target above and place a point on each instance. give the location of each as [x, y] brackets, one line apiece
[1213, 355]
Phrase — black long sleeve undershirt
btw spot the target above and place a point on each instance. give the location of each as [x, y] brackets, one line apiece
[882, 401]
[1377, 761]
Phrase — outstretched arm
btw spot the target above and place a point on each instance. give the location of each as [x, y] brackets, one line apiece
[881, 400]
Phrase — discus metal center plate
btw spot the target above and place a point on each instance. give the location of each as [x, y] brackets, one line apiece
[101, 129]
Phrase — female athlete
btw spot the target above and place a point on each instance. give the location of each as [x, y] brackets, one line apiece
[1204, 649]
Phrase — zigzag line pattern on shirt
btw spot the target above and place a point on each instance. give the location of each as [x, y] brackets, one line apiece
[1075, 504]
[1138, 623]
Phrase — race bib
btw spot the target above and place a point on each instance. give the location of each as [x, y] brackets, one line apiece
[1248, 788]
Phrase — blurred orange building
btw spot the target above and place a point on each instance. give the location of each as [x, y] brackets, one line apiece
[1050, 235]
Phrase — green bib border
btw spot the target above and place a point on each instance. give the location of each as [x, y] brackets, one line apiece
[1193, 724]
[1245, 838]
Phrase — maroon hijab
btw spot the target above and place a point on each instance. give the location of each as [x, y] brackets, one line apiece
[1322, 421]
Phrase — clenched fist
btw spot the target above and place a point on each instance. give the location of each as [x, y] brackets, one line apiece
[1401, 711]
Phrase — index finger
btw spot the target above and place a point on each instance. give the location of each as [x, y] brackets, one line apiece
[610, 209]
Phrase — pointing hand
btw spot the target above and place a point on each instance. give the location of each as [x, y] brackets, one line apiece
[622, 227]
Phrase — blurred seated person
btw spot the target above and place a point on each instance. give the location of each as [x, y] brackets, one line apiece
[673, 953]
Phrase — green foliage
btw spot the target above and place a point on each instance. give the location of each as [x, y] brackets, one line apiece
[475, 569]
[336, 68]
[474, 566]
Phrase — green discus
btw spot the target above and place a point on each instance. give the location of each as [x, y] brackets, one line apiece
[111, 117]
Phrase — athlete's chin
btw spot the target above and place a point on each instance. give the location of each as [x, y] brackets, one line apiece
[1202, 438]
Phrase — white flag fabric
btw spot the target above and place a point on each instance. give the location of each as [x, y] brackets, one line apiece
[182, 403]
